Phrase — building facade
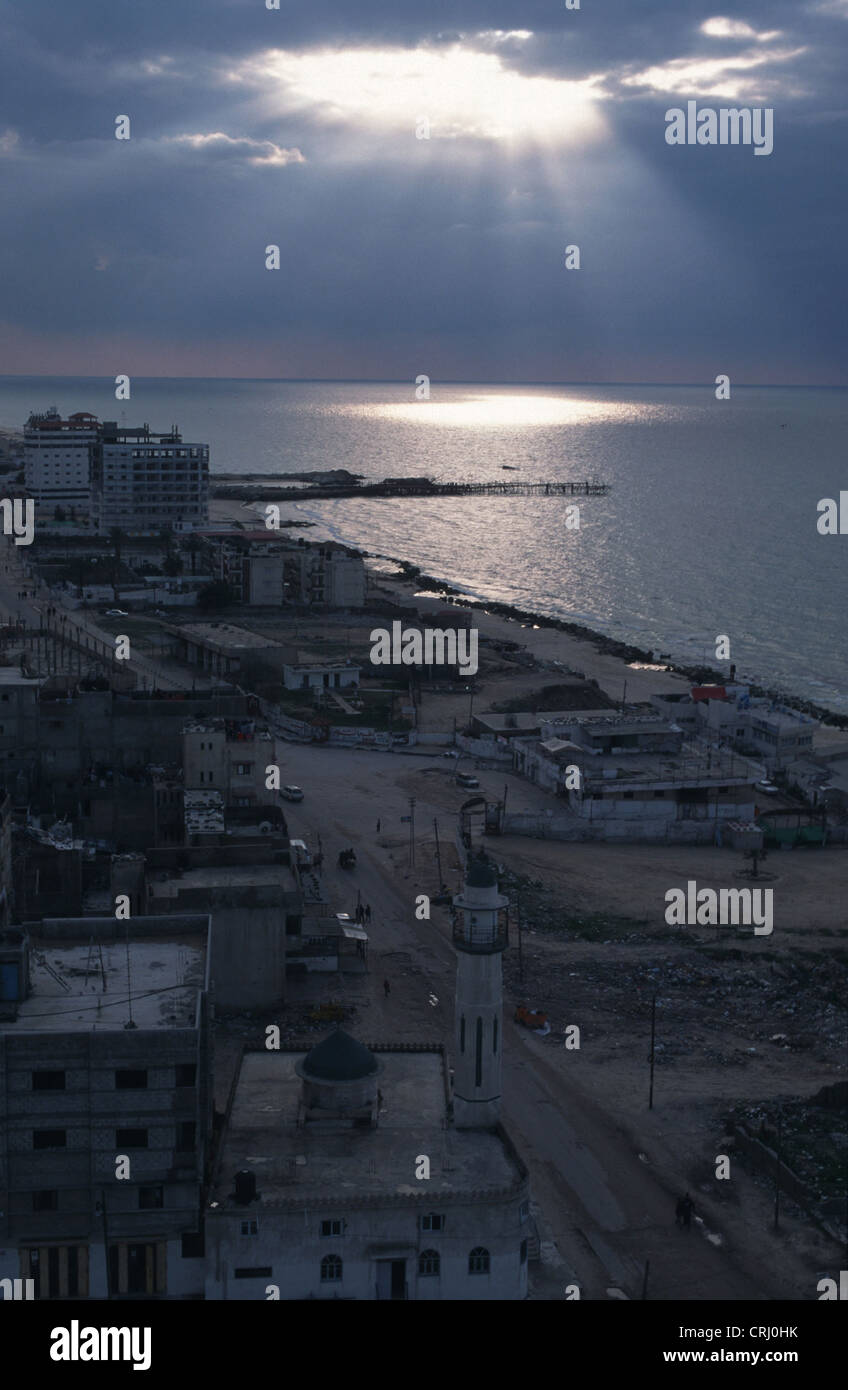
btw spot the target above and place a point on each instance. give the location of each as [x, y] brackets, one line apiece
[59, 460]
[105, 1106]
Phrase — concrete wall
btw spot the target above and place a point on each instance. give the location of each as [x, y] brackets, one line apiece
[293, 1248]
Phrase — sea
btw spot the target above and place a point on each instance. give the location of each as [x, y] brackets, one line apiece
[708, 530]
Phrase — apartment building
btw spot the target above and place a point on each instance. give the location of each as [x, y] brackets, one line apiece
[105, 1105]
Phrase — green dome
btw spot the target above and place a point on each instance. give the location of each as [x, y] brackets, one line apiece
[339, 1058]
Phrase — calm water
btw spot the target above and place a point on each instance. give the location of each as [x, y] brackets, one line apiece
[710, 526]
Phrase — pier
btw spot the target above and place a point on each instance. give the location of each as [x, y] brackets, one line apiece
[410, 487]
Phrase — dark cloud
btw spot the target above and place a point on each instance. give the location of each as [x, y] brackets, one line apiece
[402, 255]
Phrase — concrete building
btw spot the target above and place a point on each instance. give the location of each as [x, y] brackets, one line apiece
[352, 1172]
[231, 756]
[104, 1069]
[759, 727]
[316, 1195]
[223, 648]
[59, 461]
[636, 779]
[149, 482]
[269, 569]
[302, 672]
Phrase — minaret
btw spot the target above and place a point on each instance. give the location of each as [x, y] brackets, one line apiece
[479, 935]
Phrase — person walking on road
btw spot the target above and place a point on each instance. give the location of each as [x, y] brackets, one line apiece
[386, 988]
[368, 912]
[378, 827]
[685, 1208]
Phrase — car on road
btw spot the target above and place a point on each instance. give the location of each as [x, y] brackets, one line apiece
[291, 793]
[450, 753]
[464, 779]
[769, 788]
[116, 613]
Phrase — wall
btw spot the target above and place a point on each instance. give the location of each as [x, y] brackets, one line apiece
[294, 1249]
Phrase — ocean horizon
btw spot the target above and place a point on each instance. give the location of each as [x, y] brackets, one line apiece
[709, 528]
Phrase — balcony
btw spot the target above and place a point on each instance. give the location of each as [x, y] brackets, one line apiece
[480, 940]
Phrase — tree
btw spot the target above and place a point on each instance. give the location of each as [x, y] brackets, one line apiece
[218, 594]
[172, 565]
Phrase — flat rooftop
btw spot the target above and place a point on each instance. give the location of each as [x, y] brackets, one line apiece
[224, 636]
[296, 1165]
[67, 994]
[222, 876]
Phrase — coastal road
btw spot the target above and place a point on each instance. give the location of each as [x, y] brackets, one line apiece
[608, 1210]
[79, 624]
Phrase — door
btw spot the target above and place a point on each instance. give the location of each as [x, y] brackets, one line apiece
[391, 1279]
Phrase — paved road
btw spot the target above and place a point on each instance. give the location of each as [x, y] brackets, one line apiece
[607, 1209]
[79, 624]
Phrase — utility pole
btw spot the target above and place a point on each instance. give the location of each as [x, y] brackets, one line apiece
[518, 928]
[777, 1171]
[438, 856]
[651, 1059]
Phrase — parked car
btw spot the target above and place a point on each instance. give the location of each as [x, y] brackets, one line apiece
[292, 793]
[450, 753]
[768, 787]
[464, 779]
[116, 613]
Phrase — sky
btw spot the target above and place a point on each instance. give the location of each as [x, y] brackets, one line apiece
[300, 127]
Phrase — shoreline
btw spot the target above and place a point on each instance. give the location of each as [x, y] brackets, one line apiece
[623, 652]
[603, 658]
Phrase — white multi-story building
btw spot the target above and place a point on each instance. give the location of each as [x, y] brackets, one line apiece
[59, 460]
[150, 482]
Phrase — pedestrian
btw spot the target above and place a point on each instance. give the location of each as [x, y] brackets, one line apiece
[687, 1206]
[368, 912]
[378, 827]
[678, 1212]
[386, 988]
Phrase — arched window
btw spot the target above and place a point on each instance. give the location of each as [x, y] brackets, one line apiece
[429, 1262]
[331, 1269]
[478, 1261]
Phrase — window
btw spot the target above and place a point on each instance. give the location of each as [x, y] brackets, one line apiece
[331, 1269]
[49, 1138]
[186, 1074]
[186, 1134]
[627, 796]
[433, 1221]
[524, 1252]
[250, 1228]
[48, 1081]
[45, 1201]
[129, 1080]
[192, 1245]
[131, 1138]
[151, 1198]
[478, 1261]
[332, 1228]
[257, 1272]
[523, 1212]
[429, 1262]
